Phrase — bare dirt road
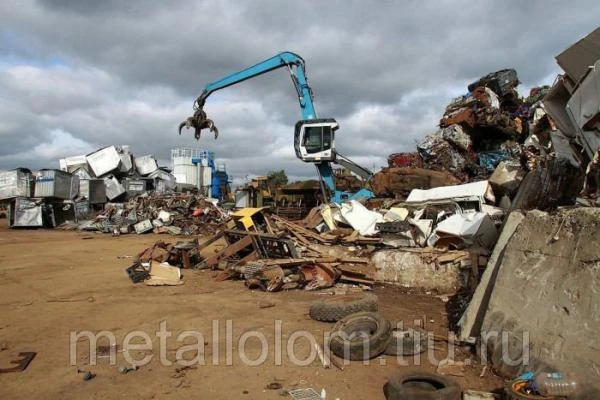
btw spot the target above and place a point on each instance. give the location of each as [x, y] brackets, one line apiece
[55, 283]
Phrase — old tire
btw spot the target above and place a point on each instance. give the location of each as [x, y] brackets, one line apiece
[421, 386]
[360, 336]
[407, 342]
[336, 308]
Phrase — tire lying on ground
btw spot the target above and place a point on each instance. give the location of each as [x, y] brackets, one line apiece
[360, 336]
[336, 308]
[421, 386]
[407, 342]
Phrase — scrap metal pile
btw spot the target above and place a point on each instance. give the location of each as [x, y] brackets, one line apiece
[268, 253]
[493, 134]
[333, 245]
[50, 197]
[173, 213]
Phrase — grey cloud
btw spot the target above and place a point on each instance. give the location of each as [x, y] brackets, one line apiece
[384, 69]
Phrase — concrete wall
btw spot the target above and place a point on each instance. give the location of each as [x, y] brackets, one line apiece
[548, 286]
[417, 270]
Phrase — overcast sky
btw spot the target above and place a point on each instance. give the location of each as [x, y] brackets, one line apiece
[79, 75]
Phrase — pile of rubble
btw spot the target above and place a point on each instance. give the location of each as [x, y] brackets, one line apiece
[173, 213]
[492, 134]
[335, 244]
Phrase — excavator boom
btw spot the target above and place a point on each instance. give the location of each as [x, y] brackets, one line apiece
[314, 139]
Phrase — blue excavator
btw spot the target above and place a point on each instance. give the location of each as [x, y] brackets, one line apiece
[314, 138]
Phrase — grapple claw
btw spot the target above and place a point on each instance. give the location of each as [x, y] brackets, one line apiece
[199, 121]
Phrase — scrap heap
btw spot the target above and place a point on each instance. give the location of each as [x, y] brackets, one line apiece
[492, 134]
[84, 185]
[269, 253]
[174, 213]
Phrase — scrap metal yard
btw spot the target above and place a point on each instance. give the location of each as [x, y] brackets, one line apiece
[71, 282]
[452, 254]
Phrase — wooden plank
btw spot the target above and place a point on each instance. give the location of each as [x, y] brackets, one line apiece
[317, 260]
[227, 252]
[300, 229]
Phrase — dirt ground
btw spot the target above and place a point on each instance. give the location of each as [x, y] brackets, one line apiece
[53, 283]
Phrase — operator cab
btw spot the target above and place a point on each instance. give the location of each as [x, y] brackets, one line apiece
[314, 139]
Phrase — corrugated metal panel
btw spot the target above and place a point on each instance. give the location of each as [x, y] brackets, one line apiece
[53, 183]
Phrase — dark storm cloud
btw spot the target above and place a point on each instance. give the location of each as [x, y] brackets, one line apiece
[82, 74]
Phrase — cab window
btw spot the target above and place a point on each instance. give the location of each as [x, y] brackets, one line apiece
[317, 138]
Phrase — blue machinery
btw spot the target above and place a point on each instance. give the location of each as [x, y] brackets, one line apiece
[314, 139]
[219, 178]
[218, 187]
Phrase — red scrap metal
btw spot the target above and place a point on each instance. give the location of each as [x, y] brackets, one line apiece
[319, 276]
[405, 160]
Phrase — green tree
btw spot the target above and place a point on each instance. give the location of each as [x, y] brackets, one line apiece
[277, 178]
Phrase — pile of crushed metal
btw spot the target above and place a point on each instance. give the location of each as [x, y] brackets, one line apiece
[173, 213]
[333, 245]
[493, 134]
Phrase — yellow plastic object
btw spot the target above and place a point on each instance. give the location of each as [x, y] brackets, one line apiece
[244, 217]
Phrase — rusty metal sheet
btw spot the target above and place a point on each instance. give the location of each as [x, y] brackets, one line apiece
[462, 116]
[399, 182]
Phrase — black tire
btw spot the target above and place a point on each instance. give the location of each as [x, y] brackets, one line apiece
[407, 342]
[336, 308]
[421, 386]
[360, 336]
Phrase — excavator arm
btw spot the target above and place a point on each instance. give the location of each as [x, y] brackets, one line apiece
[313, 137]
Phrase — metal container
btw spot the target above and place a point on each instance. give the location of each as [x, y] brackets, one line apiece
[16, 183]
[134, 187]
[145, 165]
[70, 164]
[113, 187]
[143, 226]
[185, 171]
[54, 183]
[93, 190]
[74, 186]
[24, 212]
[62, 212]
[104, 161]
[126, 165]
[82, 173]
[163, 180]
[82, 210]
